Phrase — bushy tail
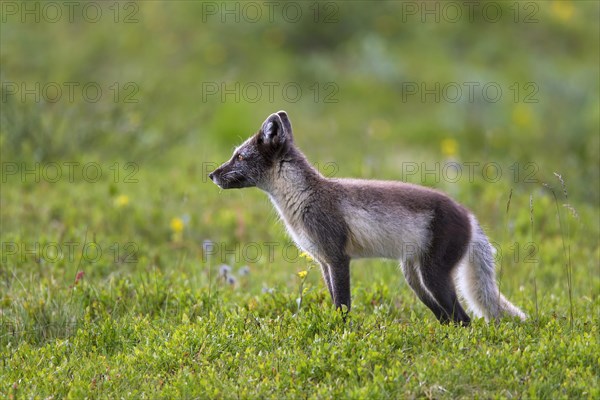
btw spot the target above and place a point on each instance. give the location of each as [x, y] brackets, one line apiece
[476, 280]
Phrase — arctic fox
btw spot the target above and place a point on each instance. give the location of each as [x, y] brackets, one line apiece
[439, 243]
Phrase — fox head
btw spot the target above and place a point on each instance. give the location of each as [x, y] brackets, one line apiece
[253, 162]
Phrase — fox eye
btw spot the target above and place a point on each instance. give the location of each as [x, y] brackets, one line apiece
[240, 157]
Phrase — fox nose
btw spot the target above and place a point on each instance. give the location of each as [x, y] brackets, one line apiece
[211, 175]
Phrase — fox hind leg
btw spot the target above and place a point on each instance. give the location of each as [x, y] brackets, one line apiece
[441, 285]
[411, 273]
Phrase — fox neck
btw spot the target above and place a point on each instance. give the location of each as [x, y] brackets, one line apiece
[292, 182]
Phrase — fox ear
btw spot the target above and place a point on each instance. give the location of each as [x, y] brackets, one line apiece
[274, 131]
[287, 125]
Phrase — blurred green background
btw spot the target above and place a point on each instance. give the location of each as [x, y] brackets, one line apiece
[157, 94]
[357, 65]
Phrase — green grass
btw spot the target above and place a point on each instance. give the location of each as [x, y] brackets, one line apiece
[113, 286]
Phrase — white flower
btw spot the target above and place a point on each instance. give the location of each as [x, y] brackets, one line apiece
[231, 280]
[224, 270]
[245, 270]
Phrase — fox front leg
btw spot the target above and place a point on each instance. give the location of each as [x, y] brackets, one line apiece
[339, 271]
[327, 277]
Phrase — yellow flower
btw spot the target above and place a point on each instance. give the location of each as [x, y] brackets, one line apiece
[121, 201]
[252, 304]
[134, 119]
[449, 147]
[306, 256]
[522, 116]
[176, 224]
[563, 10]
[302, 274]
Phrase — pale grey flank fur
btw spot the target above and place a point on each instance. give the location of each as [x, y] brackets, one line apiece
[439, 243]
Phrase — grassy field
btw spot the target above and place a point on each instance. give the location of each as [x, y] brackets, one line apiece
[125, 273]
